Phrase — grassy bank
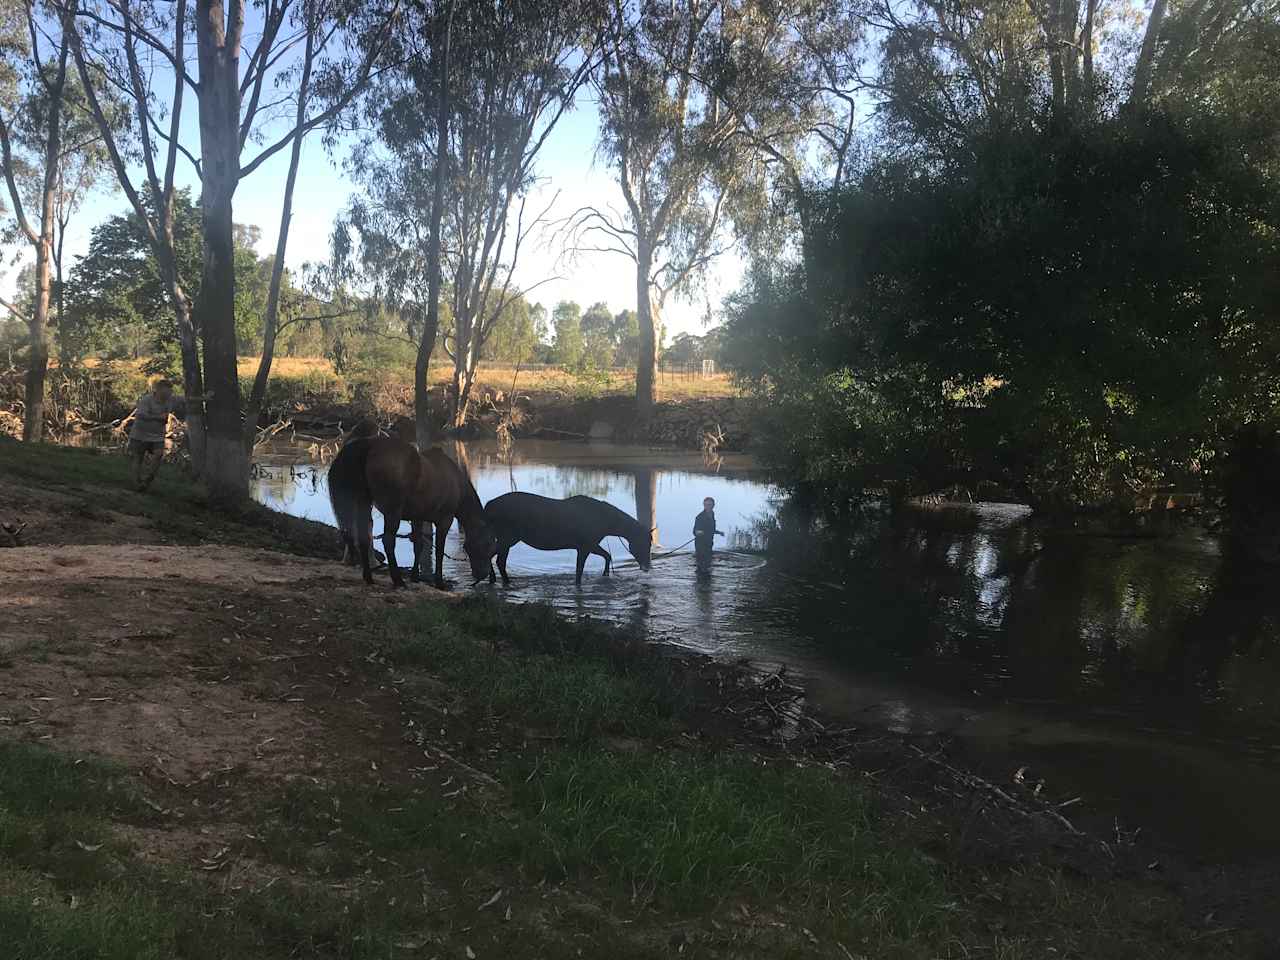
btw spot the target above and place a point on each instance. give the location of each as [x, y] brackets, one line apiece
[81, 495]
[482, 779]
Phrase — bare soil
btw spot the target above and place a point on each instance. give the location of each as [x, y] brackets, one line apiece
[206, 670]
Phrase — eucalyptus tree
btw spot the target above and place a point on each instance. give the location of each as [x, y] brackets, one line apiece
[309, 61]
[50, 162]
[699, 99]
[458, 132]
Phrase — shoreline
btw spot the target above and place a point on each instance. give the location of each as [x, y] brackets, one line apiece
[519, 692]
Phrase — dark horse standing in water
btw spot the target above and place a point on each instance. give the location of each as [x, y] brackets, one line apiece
[578, 523]
[406, 485]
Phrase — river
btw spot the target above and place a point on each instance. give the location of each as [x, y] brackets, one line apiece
[1142, 676]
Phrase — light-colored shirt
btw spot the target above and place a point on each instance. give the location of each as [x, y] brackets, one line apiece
[151, 418]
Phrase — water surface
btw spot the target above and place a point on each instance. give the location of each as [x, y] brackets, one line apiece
[1143, 675]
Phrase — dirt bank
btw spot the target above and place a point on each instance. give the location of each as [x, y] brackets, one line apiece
[715, 424]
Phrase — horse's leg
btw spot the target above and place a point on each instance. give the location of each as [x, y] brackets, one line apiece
[504, 550]
[390, 527]
[600, 551]
[428, 542]
[583, 553]
[364, 562]
[442, 534]
[364, 543]
[362, 524]
[415, 533]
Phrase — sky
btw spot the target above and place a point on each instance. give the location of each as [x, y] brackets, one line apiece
[569, 173]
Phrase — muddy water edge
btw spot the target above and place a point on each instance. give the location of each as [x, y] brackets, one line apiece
[1135, 681]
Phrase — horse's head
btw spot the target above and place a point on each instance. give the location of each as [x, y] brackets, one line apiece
[640, 544]
[481, 546]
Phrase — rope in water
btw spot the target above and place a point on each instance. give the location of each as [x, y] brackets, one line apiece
[663, 556]
[655, 556]
[409, 536]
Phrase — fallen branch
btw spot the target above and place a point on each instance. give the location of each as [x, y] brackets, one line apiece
[973, 781]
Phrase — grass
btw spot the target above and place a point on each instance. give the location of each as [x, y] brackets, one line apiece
[98, 483]
[688, 829]
[577, 679]
[683, 829]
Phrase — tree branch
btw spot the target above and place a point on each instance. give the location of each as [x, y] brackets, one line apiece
[355, 87]
[146, 36]
[18, 314]
[6, 153]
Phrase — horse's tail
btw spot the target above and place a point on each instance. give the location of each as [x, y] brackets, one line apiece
[349, 492]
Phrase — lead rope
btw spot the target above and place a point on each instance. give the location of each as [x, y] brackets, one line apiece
[652, 556]
[409, 536]
[663, 556]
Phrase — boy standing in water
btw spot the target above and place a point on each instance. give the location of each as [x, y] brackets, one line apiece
[704, 534]
[150, 424]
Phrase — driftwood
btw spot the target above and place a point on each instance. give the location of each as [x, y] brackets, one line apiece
[266, 434]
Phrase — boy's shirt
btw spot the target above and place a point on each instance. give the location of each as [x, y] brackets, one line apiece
[152, 417]
[704, 524]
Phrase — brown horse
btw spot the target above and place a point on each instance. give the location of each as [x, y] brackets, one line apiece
[423, 488]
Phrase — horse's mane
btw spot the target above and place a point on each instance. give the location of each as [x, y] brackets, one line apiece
[470, 499]
[469, 495]
[626, 518]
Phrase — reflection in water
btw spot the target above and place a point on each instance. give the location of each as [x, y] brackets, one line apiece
[646, 484]
[966, 619]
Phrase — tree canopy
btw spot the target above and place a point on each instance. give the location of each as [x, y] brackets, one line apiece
[1046, 273]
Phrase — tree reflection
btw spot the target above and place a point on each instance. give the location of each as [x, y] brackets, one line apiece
[646, 489]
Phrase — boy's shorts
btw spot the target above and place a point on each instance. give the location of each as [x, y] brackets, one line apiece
[138, 448]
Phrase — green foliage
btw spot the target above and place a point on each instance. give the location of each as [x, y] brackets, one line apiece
[568, 345]
[116, 301]
[514, 335]
[1043, 267]
[253, 278]
[1072, 314]
[691, 348]
[598, 344]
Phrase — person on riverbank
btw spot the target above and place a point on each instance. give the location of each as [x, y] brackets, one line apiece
[149, 428]
[704, 534]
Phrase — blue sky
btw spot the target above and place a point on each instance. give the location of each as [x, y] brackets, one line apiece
[567, 166]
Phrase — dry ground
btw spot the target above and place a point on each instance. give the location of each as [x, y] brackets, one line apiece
[191, 666]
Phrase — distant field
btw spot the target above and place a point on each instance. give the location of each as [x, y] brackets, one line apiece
[671, 385]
